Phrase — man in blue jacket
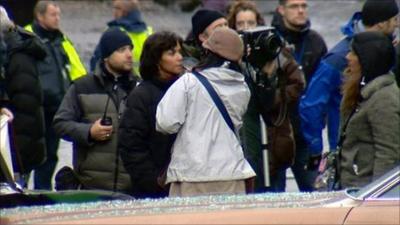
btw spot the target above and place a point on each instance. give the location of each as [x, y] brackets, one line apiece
[321, 102]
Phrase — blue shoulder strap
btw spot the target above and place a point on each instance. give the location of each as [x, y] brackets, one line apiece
[217, 100]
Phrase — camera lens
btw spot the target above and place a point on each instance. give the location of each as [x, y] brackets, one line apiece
[265, 45]
[274, 44]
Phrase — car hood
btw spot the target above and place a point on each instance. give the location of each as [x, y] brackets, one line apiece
[119, 208]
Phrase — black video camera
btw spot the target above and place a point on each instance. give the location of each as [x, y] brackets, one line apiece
[265, 44]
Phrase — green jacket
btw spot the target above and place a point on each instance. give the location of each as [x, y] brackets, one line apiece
[138, 40]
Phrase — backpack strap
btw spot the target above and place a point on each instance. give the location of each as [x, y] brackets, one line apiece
[217, 100]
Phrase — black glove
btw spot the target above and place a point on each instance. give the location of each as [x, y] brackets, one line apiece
[313, 162]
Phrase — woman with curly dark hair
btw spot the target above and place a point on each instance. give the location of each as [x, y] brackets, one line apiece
[144, 151]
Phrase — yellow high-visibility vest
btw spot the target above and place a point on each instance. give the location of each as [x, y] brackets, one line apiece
[138, 40]
[75, 67]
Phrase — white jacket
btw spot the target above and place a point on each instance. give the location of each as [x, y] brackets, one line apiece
[205, 149]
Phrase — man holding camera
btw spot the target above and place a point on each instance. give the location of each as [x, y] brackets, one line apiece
[275, 86]
[276, 82]
[89, 115]
[204, 22]
[308, 47]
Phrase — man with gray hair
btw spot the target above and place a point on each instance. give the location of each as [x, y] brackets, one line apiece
[127, 17]
[61, 66]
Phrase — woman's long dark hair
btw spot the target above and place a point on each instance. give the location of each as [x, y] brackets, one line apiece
[155, 45]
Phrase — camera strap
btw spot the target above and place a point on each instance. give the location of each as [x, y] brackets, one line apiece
[282, 82]
[217, 100]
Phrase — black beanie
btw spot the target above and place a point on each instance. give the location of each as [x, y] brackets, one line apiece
[112, 40]
[202, 19]
[376, 11]
[375, 52]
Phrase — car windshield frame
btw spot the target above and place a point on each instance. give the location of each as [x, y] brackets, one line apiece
[378, 187]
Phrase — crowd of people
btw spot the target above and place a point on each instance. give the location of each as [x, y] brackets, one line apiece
[160, 115]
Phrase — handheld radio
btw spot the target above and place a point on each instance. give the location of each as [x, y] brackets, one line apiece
[106, 120]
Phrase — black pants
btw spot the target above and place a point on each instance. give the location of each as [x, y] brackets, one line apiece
[44, 173]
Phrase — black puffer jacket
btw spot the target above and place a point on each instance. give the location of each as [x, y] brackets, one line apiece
[24, 92]
[144, 151]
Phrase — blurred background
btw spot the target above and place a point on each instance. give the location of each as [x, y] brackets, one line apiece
[84, 21]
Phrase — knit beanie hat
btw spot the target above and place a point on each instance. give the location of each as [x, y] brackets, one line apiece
[202, 19]
[375, 52]
[226, 43]
[376, 11]
[112, 40]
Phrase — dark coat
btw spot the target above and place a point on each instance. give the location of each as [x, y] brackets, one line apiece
[280, 133]
[97, 163]
[270, 103]
[53, 71]
[144, 151]
[309, 48]
[25, 96]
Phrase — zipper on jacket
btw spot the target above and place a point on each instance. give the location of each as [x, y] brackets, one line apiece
[116, 171]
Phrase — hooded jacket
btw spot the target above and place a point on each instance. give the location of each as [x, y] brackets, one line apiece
[137, 31]
[97, 163]
[322, 97]
[24, 52]
[206, 149]
[309, 48]
[370, 133]
[372, 144]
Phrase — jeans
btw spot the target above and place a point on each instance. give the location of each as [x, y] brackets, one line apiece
[277, 182]
[304, 178]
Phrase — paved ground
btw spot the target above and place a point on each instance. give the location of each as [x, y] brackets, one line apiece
[84, 21]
